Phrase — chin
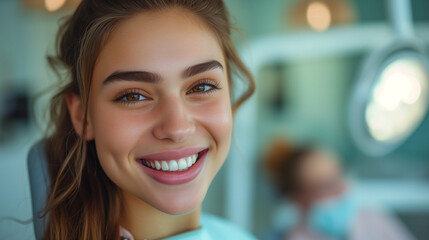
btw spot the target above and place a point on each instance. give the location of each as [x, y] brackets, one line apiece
[181, 210]
[179, 200]
[179, 205]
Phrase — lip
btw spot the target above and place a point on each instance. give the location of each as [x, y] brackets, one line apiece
[176, 177]
[173, 154]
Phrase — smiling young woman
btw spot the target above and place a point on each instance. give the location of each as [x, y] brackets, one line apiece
[143, 122]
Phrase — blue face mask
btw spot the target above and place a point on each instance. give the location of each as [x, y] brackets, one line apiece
[333, 217]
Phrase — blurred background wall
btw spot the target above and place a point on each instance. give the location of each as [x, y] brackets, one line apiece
[301, 97]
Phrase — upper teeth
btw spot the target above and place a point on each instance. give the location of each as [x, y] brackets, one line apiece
[172, 165]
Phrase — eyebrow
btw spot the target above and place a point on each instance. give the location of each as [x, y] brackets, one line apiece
[149, 77]
[202, 67]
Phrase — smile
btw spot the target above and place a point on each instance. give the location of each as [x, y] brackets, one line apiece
[181, 164]
[174, 167]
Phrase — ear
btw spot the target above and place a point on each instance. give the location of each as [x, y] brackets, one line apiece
[76, 111]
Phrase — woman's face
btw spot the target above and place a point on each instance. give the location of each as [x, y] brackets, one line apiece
[320, 177]
[160, 110]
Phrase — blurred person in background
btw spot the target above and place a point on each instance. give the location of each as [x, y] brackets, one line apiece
[311, 180]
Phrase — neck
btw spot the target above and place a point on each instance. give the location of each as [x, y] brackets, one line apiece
[147, 222]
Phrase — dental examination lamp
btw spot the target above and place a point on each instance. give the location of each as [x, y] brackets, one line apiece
[390, 98]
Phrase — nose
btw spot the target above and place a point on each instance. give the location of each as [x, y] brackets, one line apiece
[175, 122]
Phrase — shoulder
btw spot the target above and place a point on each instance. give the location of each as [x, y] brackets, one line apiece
[219, 228]
[379, 224]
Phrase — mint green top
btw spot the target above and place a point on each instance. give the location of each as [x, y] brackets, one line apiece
[213, 228]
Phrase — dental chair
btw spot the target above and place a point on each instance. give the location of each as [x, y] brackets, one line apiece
[39, 182]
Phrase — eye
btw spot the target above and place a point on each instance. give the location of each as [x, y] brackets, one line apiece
[131, 98]
[203, 86]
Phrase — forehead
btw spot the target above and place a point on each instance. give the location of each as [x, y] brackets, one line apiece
[161, 41]
[319, 166]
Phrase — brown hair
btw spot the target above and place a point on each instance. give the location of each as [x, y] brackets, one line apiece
[83, 203]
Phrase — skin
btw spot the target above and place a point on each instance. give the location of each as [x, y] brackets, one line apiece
[167, 115]
[319, 177]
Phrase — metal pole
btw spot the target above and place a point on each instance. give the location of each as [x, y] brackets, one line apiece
[401, 17]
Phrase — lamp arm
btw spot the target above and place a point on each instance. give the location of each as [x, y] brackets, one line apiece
[401, 17]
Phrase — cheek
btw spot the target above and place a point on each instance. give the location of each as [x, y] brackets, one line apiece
[116, 133]
[216, 117]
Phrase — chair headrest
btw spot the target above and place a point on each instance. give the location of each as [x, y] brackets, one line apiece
[39, 183]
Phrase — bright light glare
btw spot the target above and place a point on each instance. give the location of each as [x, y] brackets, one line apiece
[54, 5]
[399, 100]
[318, 16]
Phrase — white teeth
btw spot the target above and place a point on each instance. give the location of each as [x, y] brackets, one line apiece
[172, 165]
[182, 164]
[164, 166]
[189, 161]
[157, 165]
